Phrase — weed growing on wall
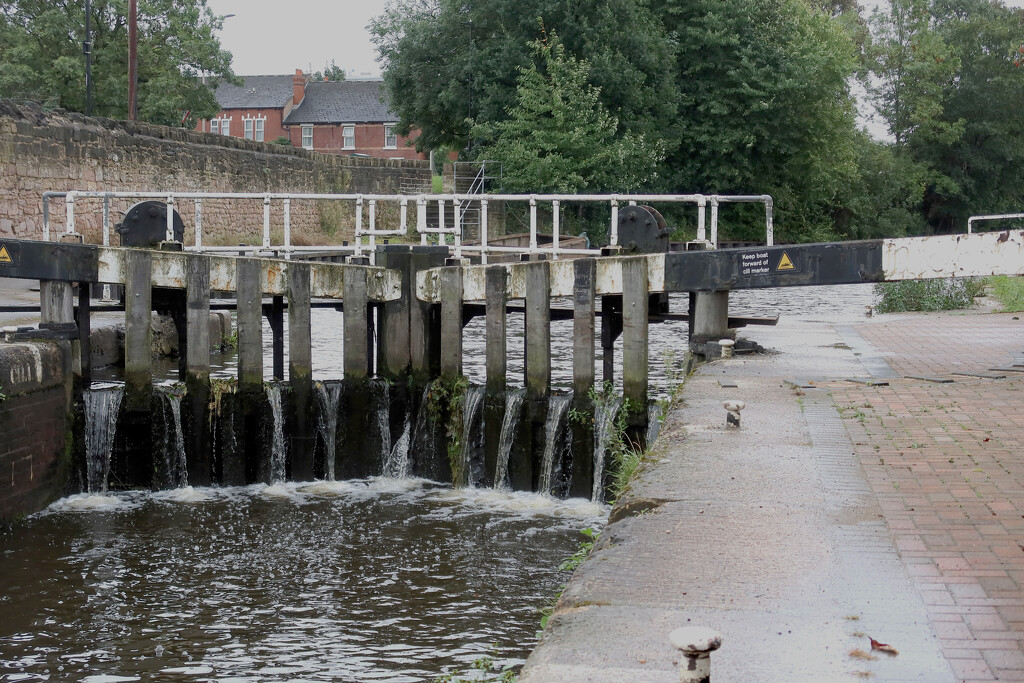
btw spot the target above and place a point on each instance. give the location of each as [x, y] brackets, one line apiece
[927, 295]
[1009, 291]
[446, 399]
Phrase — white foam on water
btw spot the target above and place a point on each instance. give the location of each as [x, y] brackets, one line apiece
[523, 503]
[280, 490]
[328, 488]
[107, 678]
[391, 485]
[91, 502]
[187, 494]
[190, 670]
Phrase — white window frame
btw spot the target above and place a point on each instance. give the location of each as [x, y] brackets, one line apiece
[215, 126]
[247, 128]
[345, 142]
[307, 128]
[389, 131]
[260, 127]
[225, 125]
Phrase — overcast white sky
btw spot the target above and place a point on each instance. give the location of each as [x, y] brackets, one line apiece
[275, 37]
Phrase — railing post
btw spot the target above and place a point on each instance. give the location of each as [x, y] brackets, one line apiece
[555, 226]
[199, 223]
[287, 208]
[613, 231]
[483, 231]
[533, 224]
[169, 235]
[714, 222]
[702, 219]
[358, 251]
[373, 228]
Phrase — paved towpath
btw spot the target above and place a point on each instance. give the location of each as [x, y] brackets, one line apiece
[837, 512]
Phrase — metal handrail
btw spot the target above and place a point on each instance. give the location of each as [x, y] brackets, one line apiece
[990, 217]
[373, 231]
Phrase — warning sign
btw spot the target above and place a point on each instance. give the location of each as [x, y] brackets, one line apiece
[754, 263]
[4, 256]
[785, 263]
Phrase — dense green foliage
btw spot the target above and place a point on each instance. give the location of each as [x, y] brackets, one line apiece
[41, 57]
[728, 96]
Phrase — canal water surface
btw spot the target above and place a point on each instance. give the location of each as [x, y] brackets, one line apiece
[371, 580]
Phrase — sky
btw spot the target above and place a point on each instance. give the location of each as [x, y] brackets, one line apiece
[275, 37]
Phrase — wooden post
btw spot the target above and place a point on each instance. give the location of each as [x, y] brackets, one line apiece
[197, 374]
[394, 356]
[250, 326]
[84, 321]
[276, 320]
[538, 331]
[425, 321]
[496, 333]
[300, 371]
[356, 350]
[583, 327]
[138, 332]
[611, 328]
[635, 302]
[451, 321]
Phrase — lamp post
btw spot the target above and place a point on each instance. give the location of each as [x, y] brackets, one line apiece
[133, 59]
[87, 51]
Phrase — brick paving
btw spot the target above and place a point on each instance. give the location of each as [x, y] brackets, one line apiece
[946, 462]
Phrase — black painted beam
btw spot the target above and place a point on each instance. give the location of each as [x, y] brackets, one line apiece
[832, 263]
[35, 260]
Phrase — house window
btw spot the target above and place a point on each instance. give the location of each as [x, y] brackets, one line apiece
[390, 139]
[225, 126]
[348, 137]
[247, 123]
[215, 126]
[307, 137]
[259, 129]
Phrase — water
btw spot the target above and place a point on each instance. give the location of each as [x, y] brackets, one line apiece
[175, 465]
[380, 394]
[557, 406]
[378, 580]
[605, 411]
[509, 428]
[278, 454]
[101, 408]
[471, 428]
[327, 398]
[421, 435]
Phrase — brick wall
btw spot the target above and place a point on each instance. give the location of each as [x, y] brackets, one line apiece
[34, 418]
[63, 151]
[369, 139]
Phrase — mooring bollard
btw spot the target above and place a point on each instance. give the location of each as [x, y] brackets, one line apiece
[727, 347]
[696, 643]
[733, 409]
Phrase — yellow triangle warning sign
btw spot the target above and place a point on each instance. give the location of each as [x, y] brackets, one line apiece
[785, 263]
[4, 256]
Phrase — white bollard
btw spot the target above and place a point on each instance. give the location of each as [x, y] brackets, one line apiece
[727, 347]
[696, 643]
[733, 409]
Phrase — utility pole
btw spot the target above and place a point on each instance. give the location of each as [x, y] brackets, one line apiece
[133, 59]
[87, 51]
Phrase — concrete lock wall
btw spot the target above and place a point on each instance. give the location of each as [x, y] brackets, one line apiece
[35, 423]
[60, 151]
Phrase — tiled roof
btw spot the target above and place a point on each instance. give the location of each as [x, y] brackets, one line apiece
[258, 92]
[343, 102]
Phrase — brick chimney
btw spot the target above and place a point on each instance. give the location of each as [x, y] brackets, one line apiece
[298, 87]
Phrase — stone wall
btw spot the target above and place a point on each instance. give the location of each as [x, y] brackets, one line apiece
[35, 418]
[61, 151]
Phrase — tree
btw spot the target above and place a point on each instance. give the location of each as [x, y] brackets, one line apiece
[764, 107]
[331, 72]
[949, 83]
[559, 138]
[450, 65]
[179, 57]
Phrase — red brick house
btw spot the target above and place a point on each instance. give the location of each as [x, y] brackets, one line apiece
[337, 117]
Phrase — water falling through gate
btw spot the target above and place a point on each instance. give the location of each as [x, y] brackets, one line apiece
[277, 449]
[101, 411]
[175, 466]
[509, 429]
[557, 407]
[328, 396]
[470, 413]
[605, 411]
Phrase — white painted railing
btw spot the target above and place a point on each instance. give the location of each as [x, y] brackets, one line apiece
[368, 204]
[990, 217]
